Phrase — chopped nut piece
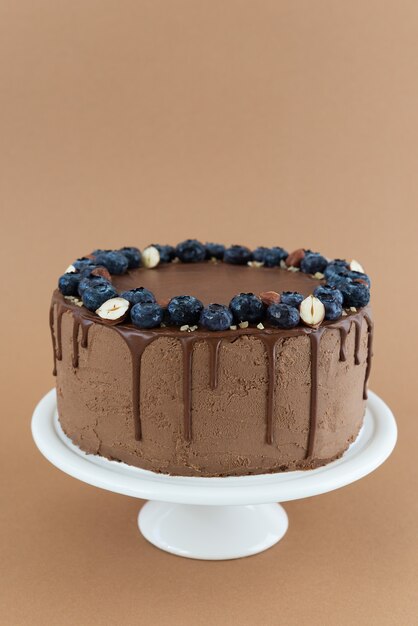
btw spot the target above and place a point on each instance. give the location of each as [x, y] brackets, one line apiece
[344, 313]
[353, 309]
[233, 327]
[243, 324]
[260, 326]
[184, 328]
[319, 275]
[255, 263]
[293, 269]
[192, 328]
[70, 270]
[283, 265]
[150, 257]
[312, 311]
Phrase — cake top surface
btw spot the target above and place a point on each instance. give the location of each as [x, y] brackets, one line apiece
[193, 286]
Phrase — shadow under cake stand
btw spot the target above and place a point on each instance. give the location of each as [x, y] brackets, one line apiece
[215, 518]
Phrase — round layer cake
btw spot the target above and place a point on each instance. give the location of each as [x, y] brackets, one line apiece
[151, 373]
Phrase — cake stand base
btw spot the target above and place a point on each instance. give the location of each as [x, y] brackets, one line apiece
[215, 518]
[212, 532]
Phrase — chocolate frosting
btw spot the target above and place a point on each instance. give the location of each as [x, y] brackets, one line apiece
[211, 283]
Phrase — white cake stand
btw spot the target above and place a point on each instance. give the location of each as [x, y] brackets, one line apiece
[215, 518]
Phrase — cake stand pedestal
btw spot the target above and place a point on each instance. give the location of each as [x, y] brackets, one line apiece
[215, 518]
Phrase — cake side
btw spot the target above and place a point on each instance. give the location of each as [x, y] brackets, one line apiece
[237, 421]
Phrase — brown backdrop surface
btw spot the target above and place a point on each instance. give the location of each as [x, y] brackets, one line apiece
[286, 123]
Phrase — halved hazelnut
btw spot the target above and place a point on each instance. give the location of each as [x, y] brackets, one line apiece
[150, 257]
[295, 257]
[114, 310]
[269, 297]
[312, 311]
[355, 266]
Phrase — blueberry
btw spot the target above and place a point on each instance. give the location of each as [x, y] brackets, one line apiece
[246, 307]
[191, 251]
[167, 253]
[215, 251]
[271, 257]
[216, 317]
[291, 298]
[184, 310]
[338, 279]
[133, 255]
[114, 261]
[138, 295]
[283, 315]
[333, 308]
[94, 296]
[325, 292]
[259, 254]
[355, 294]
[84, 263]
[313, 262]
[336, 265]
[68, 284]
[359, 276]
[91, 281]
[237, 255]
[147, 314]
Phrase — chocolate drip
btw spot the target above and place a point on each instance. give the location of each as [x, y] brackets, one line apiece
[357, 324]
[54, 347]
[343, 343]
[85, 325]
[214, 346]
[187, 344]
[76, 326]
[136, 341]
[60, 313]
[370, 328]
[270, 344]
[315, 338]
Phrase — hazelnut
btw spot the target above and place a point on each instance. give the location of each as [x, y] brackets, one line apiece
[312, 311]
[114, 310]
[269, 297]
[150, 257]
[295, 257]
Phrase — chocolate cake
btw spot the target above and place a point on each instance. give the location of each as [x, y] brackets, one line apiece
[202, 360]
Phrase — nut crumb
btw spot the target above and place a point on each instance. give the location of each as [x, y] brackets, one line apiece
[291, 268]
[243, 324]
[353, 309]
[319, 275]
[255, 263]
[192, 328]
[260, 326]
[344, 313]
[184, 328]
[233, 327]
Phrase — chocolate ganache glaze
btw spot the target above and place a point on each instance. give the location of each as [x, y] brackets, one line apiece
[251, 399]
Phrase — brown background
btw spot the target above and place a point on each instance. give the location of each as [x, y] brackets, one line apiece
[287, 123]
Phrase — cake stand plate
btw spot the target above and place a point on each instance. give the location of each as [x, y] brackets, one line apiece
[215, 518]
